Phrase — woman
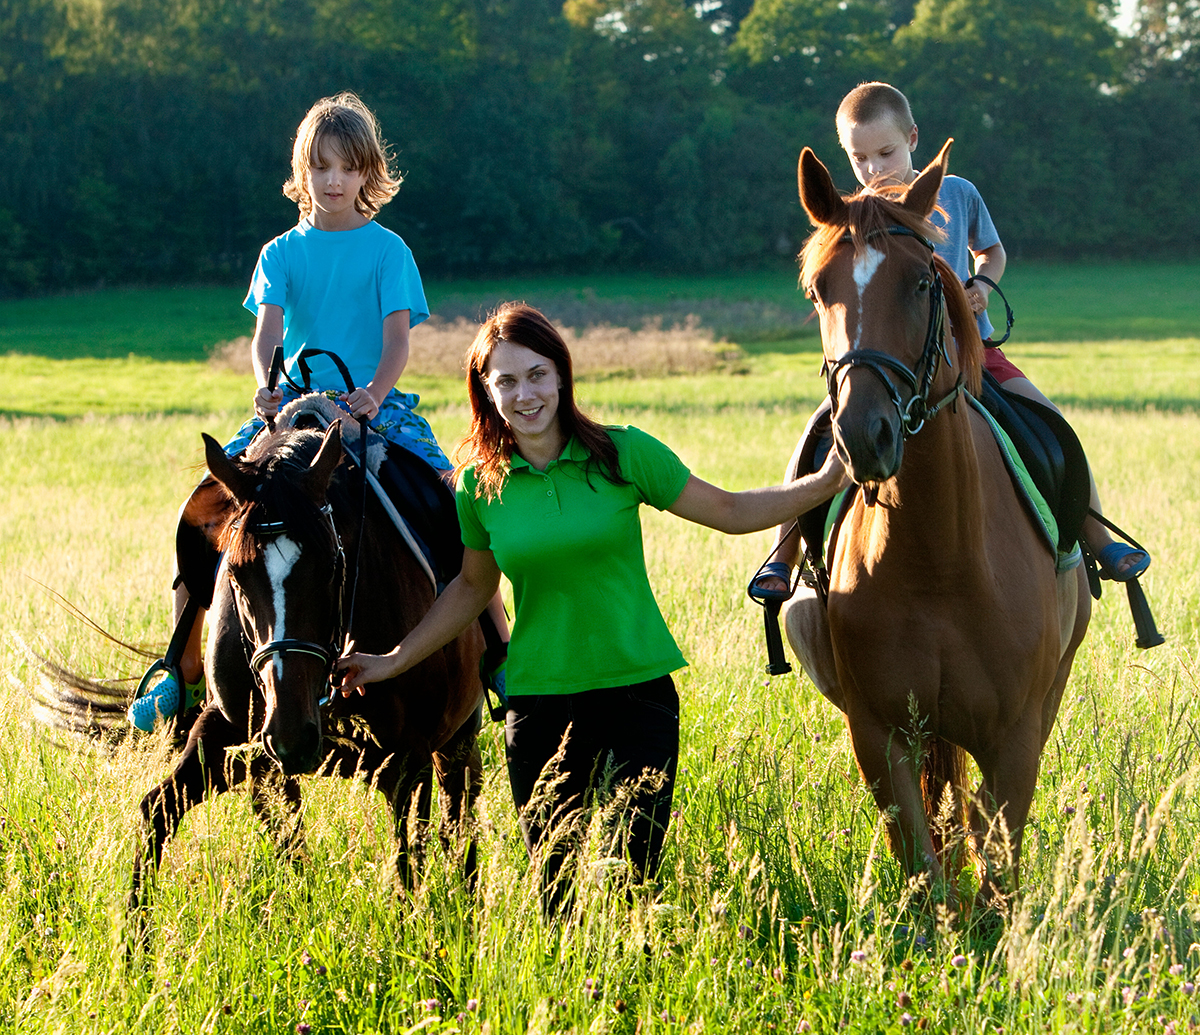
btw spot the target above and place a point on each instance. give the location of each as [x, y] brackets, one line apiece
[550, 498]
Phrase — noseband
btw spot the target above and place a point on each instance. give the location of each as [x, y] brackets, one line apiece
[917, 410]
[327, 654]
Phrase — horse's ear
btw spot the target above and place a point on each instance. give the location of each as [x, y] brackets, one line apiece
[818, 195]
[320, 471]
[922, 195]
[239, 484]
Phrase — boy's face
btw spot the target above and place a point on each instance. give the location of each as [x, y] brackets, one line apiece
[879, 151]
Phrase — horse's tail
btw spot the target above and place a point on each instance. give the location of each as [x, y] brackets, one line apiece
[943, 782]
[66, 703]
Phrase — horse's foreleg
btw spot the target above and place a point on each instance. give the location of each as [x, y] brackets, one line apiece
[411, 801]
[404, 783]
[459, 768]
[1074, 611]
[1001, 807]
[204, 768]
[891, 765]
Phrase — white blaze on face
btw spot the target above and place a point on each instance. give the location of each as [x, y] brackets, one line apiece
[865, 266]
[280, 557]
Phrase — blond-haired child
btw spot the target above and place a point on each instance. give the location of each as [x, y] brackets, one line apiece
[337, 281]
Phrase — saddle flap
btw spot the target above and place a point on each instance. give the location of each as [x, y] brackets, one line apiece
[196, 554]
[816, 441]
[1051, 452]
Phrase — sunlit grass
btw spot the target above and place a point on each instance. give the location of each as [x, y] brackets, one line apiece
[780, 905]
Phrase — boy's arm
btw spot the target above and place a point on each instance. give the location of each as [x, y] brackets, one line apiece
[990, 262]
[365, 401]
[268, 333]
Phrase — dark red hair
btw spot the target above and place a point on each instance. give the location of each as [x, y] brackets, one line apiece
[490, 444]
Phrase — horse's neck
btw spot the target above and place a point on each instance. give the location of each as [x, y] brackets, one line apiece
[933, 510]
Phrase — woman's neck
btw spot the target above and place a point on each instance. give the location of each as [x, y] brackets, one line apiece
[540, 451]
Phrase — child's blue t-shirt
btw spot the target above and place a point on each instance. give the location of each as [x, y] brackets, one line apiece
[968, 227]
[336, 288]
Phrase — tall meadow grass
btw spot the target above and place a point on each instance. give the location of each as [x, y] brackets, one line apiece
[780, 908]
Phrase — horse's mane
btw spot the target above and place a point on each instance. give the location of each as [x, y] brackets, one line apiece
[277, 468]
[867, 216]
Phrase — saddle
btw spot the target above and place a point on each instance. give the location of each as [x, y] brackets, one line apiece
[1044, 441]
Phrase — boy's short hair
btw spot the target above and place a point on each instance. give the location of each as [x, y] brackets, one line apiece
[345, 123]
[868, 102]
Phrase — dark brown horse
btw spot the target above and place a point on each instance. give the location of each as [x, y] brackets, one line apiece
[947, 627]
[293, 526]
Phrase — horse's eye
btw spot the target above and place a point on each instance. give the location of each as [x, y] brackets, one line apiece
[923, 285]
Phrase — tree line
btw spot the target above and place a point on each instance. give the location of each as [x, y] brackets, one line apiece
[146, 140]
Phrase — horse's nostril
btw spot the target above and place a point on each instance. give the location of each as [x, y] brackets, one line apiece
[885, 437]
[296, 754]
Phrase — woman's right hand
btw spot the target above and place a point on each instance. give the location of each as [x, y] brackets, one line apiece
[358, 669]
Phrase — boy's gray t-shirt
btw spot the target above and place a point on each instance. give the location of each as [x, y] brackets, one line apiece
[968, 228]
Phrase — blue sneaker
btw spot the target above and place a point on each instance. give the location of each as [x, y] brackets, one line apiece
[160, 701]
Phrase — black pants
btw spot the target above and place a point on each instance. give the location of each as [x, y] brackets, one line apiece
[618, 732]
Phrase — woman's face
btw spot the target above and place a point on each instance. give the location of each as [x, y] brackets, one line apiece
[523, 386]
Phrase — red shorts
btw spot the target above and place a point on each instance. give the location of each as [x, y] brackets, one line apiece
[996, 363]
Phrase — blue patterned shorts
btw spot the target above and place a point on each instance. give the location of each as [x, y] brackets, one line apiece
[397, 421]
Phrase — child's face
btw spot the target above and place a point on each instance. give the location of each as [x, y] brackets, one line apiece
[333, 186]
[879, 151]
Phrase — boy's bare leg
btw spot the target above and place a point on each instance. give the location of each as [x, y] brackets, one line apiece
[191, 665]
[786, 549]
[787, 536]
[1094, 533]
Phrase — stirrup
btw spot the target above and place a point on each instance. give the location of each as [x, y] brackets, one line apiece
[777, 569]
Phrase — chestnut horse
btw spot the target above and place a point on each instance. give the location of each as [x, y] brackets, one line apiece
[947, 627]
[287, 519]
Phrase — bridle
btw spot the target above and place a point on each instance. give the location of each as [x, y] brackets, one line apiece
[345, 616]
[261, 653]
[918, 409]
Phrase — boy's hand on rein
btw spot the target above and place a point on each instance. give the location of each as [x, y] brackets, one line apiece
[977, 297]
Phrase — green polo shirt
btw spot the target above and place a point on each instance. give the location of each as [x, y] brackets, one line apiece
[570, 542]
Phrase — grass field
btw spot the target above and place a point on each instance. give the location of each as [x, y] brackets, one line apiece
[780, 911]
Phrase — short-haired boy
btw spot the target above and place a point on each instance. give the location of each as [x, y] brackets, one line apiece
[879, 135]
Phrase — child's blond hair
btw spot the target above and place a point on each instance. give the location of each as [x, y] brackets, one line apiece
[868, 102]
[346, 124]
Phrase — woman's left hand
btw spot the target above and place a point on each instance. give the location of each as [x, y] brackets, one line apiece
[358, 669]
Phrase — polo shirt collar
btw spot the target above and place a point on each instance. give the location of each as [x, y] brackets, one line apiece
[574, 451]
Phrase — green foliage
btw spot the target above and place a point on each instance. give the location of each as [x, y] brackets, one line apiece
[595, 134]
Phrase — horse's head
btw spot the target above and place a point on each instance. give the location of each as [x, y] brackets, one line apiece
[285, 564]
[869, 270]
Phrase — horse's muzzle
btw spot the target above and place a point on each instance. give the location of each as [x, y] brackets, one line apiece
[871, 445]
[296, 750]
